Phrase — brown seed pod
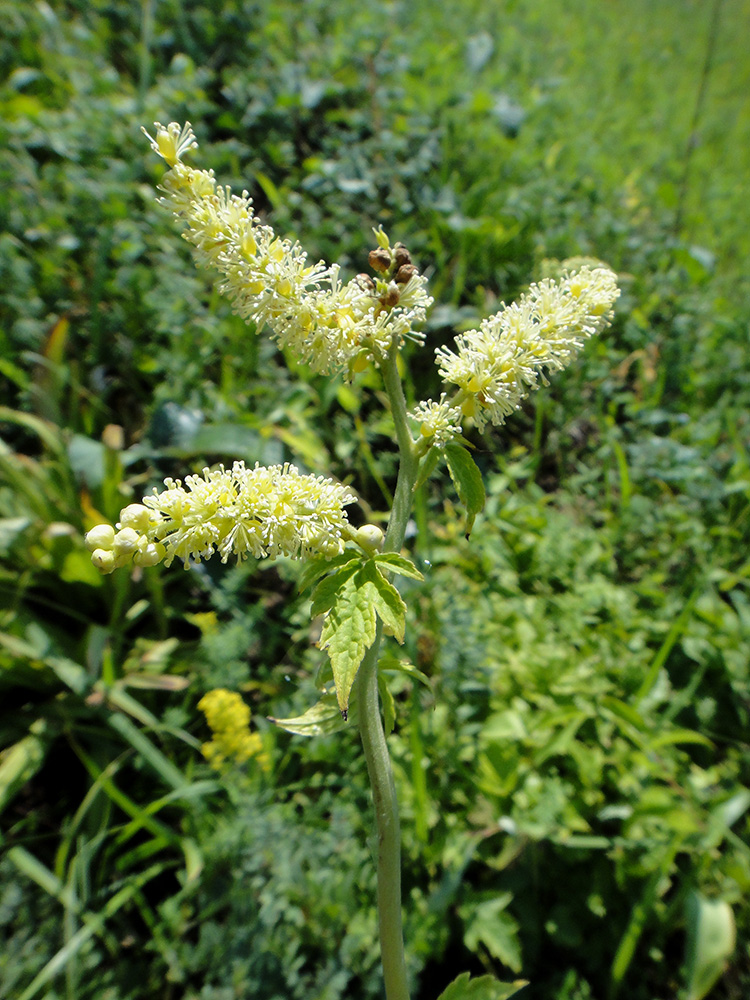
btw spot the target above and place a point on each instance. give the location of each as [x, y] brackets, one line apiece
[404, 274]
[365, 282]
[380, 260]
[401, 255]
[392, 295]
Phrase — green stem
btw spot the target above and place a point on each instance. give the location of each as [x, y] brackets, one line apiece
[370, 725]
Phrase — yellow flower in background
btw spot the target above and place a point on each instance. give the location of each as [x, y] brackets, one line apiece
[229, 719]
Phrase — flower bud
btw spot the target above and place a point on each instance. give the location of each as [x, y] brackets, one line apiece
[151, 554]
[104, 560]
[404, 274]
[380, 260]
[126, 542]
[135, 516]
[369, 537]
[101, 536]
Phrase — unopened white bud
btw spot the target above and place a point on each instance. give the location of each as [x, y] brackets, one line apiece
[101, 536]
[135, 516]
[150, 555]
[104, 560]
[126, 542]
[370, 537]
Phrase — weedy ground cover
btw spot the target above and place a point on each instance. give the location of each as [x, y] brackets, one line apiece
[574, 784]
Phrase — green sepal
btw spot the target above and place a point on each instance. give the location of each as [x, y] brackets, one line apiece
[468, 481]
[481, 988]
[396, 563]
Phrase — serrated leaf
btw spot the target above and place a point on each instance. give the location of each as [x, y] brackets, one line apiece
[348, 632]
[488, 924]
[388, 603]
[398, 564]
[320, 719]
[468, 481]
[482, 988]
[316, 568]
[324, 595]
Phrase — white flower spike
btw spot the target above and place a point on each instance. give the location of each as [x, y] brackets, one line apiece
[261, 512]
[329, 325]
[497, 366]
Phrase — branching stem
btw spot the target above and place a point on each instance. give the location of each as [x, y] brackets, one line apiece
[371, 727]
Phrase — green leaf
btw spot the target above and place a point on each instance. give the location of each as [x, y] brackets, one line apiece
[468, 481]
[488, 925]
[391, 665]
[322, 718]
[324, 595]
[483, 988]
[710, 943]
[317, 568]
[20, 762]
[384, 597]
[389, 705]
[398, 564]
[427, 467]
[348, 632]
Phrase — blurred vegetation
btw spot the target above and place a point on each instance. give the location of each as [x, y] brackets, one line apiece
[576, 780]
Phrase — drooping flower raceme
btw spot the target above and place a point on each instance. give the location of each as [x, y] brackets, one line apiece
[333, 327]
[229, 719]
[497, 366]
[260, 512]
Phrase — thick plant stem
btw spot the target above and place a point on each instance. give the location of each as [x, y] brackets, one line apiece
[371, 727]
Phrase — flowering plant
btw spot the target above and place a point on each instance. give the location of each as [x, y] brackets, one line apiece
[277, 511]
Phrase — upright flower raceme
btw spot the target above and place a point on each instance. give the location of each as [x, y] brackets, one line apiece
[495, 367]
[241, 512]
[332, 326]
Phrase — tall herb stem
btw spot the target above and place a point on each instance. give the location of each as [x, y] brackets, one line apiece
[371, 727]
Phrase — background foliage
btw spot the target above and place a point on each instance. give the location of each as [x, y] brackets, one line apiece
[576, 780]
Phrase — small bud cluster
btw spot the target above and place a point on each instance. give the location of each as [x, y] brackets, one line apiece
[112, 549]
[395, 271]
[229, 719]
[260, 512]
[331, 326]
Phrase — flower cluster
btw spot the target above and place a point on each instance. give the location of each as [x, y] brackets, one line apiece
[229, 719]
[273, 511]
[438, 422]
[329, 325]
[496, 366]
